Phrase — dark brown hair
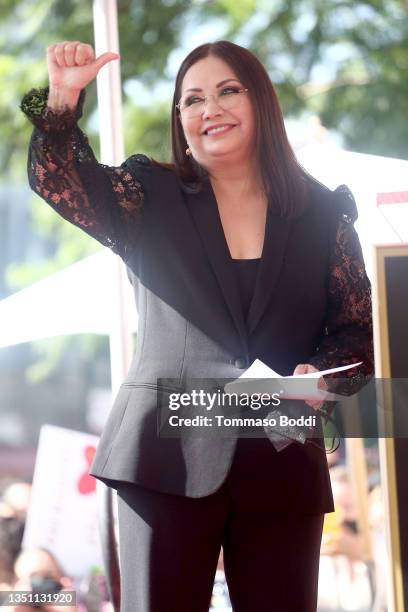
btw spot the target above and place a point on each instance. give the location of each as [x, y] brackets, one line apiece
[283, 178]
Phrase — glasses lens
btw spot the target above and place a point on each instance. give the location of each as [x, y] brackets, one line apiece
[193, 107]
[228, 99]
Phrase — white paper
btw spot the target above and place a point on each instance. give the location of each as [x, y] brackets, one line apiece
[256, 380]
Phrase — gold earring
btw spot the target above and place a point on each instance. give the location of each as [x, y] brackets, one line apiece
[188, 151]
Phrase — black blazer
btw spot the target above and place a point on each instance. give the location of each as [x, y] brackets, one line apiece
[311, 305]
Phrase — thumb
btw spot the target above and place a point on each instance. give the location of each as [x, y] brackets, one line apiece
[105, 58]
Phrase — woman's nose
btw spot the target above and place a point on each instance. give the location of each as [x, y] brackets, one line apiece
[211, 108]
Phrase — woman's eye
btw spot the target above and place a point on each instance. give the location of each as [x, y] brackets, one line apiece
[192, 100]
[228, 90]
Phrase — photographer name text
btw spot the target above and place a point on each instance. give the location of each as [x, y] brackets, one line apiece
[223, 421]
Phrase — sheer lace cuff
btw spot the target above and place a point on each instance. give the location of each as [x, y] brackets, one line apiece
[34, 106]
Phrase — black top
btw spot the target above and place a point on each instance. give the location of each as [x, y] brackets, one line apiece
[246, 270]
[247, 447]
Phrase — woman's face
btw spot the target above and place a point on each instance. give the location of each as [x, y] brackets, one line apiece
[234, 142]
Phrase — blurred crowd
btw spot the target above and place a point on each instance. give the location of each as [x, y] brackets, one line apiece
[353, 563]
[37, 570]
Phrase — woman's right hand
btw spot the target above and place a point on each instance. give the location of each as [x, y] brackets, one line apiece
[72, 66]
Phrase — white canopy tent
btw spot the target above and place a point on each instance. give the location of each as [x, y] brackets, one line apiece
[76, 300]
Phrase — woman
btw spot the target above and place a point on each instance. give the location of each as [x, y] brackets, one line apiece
[235, 253]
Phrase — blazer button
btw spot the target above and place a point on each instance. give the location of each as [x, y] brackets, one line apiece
[240, 362]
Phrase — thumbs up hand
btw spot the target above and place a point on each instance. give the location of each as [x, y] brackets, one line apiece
[71, 67]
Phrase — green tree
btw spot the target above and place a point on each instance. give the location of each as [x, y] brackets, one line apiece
[345, 60]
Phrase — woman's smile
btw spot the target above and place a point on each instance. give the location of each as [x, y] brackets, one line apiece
[218, 130]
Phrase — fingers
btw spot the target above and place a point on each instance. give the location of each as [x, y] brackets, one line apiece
[316, 405]
[301, 368]
[308, 368]
[322, 384]
[71, 53]
[304, 368]
[84, 54]
[59, 54]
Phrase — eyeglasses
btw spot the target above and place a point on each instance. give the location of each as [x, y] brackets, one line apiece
[227, 98]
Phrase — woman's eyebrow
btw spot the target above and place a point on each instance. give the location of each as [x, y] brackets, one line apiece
[220, 84]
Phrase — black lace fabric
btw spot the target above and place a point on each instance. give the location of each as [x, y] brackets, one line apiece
[104, 201]
[349, 333]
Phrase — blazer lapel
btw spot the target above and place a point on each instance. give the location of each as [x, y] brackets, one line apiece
[277, 231]
[204, 211]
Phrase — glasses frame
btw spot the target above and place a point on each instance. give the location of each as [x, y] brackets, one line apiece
[178, 105]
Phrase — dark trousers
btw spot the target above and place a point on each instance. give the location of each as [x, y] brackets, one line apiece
[169, 545]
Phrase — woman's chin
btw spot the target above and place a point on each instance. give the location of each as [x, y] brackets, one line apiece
[217, 153]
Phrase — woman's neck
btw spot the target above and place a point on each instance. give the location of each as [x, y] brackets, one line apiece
[230, 183]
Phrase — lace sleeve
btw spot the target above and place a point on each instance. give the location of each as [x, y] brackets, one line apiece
[106, 202]
[348, 334]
